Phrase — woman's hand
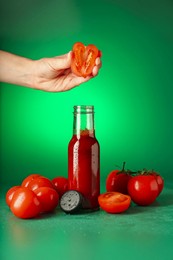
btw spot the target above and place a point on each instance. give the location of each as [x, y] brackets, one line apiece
[48, 74]
[54, 74]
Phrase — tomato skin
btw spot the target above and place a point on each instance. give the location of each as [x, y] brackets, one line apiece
[143, 189]
[48, 197]
[29, 178]
[10, 194]
[25, 203]
[117, 181]
[61, 185]
[160, 182]
[83, 59]
[40, 182]
[114, 202]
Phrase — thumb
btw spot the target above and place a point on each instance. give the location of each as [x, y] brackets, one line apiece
[62, 62]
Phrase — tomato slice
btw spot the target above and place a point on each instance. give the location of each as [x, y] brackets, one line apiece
[83, 59]
[114, 202]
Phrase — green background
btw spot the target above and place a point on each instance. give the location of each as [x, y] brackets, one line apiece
[132, 95]
[133, 99]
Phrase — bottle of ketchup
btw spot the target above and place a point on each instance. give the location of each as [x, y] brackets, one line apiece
[84, 158]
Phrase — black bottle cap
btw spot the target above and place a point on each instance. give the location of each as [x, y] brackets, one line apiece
[71, 201]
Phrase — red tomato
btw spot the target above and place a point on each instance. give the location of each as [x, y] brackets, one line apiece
[143, 189]
[40, 182]
[25, 203]
[117, 180]
[61, 185]
[114, 202]
[83, 59]
[29, 178]
[160, 182]
[48, 197]
[10, 193]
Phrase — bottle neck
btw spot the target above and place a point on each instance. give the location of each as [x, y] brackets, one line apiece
[83, 124]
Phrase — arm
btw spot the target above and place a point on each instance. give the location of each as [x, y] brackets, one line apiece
[15, 69]
[48, 74]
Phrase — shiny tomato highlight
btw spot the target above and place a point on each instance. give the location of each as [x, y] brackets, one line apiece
[61, 185]
[25, 204]
[160, 182]
[40, 182]
[48, 197]
[10, 193]
[117, 181]
[29, 178]
[143, 189]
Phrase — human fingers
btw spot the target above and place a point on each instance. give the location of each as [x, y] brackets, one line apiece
[96, 67]
[98, 61]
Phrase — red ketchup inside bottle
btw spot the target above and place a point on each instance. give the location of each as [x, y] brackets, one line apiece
[84, 157]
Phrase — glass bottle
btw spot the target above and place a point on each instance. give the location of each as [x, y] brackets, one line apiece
[84, 157]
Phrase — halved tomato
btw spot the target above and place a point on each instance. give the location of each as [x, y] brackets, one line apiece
[83, 59]
[114, 202]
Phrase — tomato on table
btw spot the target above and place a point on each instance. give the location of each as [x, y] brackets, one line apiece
[83, 59]
[114, 202]
[143, 189]
[48, 197]
[25, 204]
[61, 185]
[160, 182]
[10, 193]
[29, 178]
[117, 180]
[40, 182]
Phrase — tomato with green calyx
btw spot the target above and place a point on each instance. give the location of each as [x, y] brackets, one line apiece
[48, 197]
[159, 179]
[117, 180]
[143, 189]
[114, 202]
[83, 59]
[25, 204]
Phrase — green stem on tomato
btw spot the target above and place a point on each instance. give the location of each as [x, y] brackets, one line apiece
[124, 163]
